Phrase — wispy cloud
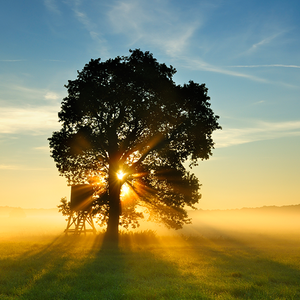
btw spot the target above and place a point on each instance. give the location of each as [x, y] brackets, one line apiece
[90, 25]
[35, 120]
[153, 24]
[21, 167]
[55, 60]
[51, 5]
[16, 92]
[261, 131]
[198, 64]
[263, 42]
[12, 60]
[267, 66]
[51, 96]
[9, 167]
[42, 148]
[82, 17]
[129, 17]
[175, 44]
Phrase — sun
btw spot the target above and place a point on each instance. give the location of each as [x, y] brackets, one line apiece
[120, 175]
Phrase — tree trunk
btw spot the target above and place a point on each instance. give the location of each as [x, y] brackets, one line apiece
[114, 208]
[113, 218]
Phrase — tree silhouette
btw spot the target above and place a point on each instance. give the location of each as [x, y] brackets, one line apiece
[127, 115]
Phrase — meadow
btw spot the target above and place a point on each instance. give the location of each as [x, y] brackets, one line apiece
[232, 265]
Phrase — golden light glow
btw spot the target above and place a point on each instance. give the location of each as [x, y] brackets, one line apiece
[125, 189]
[120, 175]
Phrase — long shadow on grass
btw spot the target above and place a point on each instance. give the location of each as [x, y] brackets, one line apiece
[257, 268]
[84, 268]
[141, 268]
[27, 270]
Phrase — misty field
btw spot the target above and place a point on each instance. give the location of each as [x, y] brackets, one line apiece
[244, 254]
[146, 266]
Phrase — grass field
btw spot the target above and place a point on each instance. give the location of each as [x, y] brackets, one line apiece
[146, 266]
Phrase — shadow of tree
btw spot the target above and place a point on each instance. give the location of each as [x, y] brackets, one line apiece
[246, 268]
[84, 268]
[192, 268]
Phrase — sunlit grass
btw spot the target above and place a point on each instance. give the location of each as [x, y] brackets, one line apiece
[146, 266]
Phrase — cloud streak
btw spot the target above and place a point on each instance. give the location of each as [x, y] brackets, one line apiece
[89, 24]
[34, 120]
[12, 60]
[9, 167]
[52, 6]
[262, 131]
[12, 93]
[263, 42]
[198, 64]
[156, 25]
[267, 66]
[21, 168]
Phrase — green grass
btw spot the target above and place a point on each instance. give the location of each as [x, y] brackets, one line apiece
[149, 267]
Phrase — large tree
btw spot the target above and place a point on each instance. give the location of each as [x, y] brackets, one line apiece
[125, 123]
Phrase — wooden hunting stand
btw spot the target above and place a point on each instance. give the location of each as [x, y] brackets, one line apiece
[80, 219]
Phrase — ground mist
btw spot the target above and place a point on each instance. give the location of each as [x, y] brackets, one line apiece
[214, 258]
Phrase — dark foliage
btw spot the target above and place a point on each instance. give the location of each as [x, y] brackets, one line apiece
[128, 114]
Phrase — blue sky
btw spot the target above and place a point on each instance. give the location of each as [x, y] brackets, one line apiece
[247, 53]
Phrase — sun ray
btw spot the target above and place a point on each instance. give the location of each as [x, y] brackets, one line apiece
[120, 175]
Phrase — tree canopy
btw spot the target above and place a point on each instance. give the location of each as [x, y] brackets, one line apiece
[128, 129]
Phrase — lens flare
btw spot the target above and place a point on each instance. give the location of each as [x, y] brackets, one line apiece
[120, 175]
[125, 189]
